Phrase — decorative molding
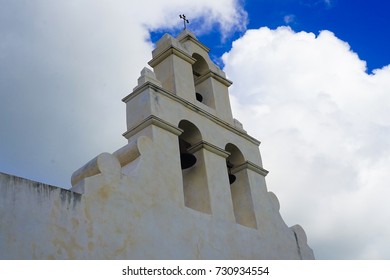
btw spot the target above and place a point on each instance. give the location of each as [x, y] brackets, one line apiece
[193, 107]
[188, 37]
[251, 166]
[209, 147]
[169, 51]
[140, 89]
[152, 120]
[214, 75]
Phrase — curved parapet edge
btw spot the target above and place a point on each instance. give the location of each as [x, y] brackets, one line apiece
[103, 163]
[133, 150]
[109, 164]
[304, 251]
[275, 201]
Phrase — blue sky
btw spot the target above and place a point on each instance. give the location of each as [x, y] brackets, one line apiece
[311, 81]
[363, 24]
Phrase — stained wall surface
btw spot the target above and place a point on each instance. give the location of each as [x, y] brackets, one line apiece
[134, 211]
[140, 202]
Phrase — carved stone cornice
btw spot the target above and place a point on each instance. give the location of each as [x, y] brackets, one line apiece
[215, 76]
[209, 147]
[251, 166]
[171, 50]
[152, 120]
[191, 106]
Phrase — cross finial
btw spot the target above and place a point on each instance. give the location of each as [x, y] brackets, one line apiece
[183, 17]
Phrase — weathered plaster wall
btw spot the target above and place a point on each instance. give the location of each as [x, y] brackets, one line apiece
[134, 211]
[37, 221]
[138, 203]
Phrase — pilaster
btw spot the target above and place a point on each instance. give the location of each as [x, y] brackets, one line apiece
[217, 180]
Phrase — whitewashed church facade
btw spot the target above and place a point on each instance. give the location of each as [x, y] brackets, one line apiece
[189, 184]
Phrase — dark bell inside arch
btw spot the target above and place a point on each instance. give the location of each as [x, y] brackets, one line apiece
[199, 97]
[187, 159]
[232, 178]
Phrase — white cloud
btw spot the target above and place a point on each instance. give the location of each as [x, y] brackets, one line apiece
[289, 18]
[326, 3]
[323, 121]
[64, 68]
[227, 15]
[329, 3]
[324, 126]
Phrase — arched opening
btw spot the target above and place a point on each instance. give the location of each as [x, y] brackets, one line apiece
[195, 188]
[190, 136]
[240, 187]
[235, 159]
[203, 87]
[200, 67]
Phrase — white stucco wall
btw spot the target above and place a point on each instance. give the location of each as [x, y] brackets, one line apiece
[133, 212]
[138, 203]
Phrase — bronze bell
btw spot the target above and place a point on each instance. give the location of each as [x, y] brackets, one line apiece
[187, 159]
[199, 97]
[232, 178]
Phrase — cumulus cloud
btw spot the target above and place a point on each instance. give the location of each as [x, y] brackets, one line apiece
[325, 3]
[325, 126]
[228, 16]
[64, 68]
[290, 18]
[323, 121]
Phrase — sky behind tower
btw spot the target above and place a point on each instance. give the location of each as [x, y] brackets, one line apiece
[311, 80]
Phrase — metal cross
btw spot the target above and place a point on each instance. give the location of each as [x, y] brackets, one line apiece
[185, 20]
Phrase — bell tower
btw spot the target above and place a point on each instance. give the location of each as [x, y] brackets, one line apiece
[201, 160]
[189, 184]
[184, 68]
[183, 104]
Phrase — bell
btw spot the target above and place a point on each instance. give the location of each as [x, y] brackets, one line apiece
[232, 178]
[199, 97]
[186, 159]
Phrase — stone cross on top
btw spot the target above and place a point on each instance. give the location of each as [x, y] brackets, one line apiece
[183, 17]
